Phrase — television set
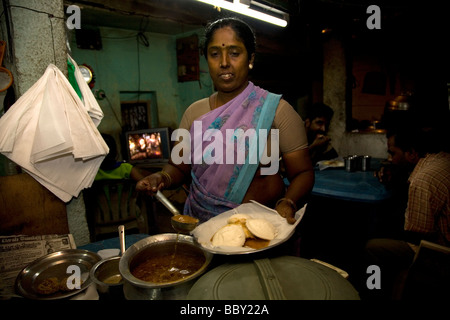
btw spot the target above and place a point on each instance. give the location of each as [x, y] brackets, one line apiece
[148, 146]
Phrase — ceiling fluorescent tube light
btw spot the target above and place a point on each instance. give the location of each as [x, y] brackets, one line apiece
[239, 7]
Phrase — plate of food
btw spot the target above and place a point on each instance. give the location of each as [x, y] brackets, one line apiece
[333, 163]
[52, 276]
[249, 228]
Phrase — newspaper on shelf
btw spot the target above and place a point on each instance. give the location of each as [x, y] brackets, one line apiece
[18, 251]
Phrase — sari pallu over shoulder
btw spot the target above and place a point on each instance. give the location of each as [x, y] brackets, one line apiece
[253, 109]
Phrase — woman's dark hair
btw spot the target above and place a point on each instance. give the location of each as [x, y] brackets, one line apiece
[242, 29]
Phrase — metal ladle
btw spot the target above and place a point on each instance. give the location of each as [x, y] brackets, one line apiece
[121, 230]
[181, 223]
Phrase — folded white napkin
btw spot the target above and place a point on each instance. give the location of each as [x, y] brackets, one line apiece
[50, 134]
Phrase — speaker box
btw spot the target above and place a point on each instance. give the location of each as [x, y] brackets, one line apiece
[88, 39]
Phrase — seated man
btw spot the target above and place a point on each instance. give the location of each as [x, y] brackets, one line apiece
[317, 122]
[427, 214]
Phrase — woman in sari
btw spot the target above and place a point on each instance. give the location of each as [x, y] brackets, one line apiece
[218, 184]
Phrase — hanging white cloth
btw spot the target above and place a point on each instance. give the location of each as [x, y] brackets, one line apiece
[51, 135]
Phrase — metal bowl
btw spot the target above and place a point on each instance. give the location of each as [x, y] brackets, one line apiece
[107, 278]
[154, 245]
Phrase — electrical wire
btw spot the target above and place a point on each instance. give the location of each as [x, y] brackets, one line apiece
[120, 38]
[141, 39]
[114, 112]
[53, 40]
[50, 16]
[138, 67]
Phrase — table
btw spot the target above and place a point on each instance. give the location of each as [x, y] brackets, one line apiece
[359, 186]
[113, 243]
[343, 212]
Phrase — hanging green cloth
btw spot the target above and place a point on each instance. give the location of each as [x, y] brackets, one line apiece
[72, 79]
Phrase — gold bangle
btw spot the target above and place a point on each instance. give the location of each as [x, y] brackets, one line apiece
[292, 203]
[167, 177]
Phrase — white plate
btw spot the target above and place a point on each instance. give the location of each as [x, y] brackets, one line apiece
[204, 232]
[334, 163]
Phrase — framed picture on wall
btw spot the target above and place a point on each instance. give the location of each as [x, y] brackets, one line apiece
[188, 59]
[135, 115]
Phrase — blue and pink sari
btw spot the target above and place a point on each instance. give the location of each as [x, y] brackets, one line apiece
[219, 187]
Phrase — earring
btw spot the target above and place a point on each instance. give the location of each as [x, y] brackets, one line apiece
[250, 66]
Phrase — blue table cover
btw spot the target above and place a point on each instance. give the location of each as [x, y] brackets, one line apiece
[359, 186]
[113, 243]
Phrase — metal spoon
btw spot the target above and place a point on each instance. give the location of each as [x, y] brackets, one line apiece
[181, 223]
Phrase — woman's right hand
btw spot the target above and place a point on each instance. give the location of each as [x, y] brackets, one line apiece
[151, 184]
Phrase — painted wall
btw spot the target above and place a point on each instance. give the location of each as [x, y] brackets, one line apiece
[124, 64]
[334, 94]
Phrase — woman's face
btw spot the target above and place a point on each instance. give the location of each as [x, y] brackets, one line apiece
[228, 61]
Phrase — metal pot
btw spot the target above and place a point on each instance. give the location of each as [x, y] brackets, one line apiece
[138, 289]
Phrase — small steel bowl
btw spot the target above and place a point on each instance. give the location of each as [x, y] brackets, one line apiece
[107, 278]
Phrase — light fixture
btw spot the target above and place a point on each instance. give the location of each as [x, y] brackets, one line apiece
[252, 9]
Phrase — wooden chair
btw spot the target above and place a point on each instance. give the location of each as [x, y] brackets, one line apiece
[428, 278]
[27, 207]
[110, 203]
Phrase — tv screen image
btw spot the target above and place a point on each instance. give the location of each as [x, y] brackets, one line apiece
[148, 146]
